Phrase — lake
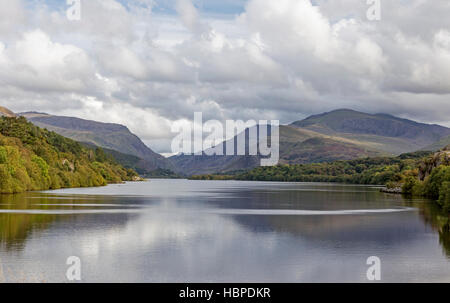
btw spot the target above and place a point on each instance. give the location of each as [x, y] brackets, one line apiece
[222, 231]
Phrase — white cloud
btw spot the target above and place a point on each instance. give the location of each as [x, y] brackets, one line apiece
[36, 63]
[278, 59]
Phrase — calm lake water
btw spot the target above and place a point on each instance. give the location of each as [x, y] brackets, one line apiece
[222, 231]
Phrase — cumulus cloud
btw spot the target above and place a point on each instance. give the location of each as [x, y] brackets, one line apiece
[36, 63]
[131, 62]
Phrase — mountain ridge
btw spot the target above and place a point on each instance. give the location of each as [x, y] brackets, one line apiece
[341, 134]
[382, 131]
[345, 120]
[106, 135]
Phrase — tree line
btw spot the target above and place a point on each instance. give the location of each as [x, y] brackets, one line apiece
[32, 158]
[420, 174]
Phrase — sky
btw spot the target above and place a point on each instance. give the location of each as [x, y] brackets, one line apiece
[150, 64]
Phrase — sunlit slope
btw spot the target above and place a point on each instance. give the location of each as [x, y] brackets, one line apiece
[381, 132]
[32, 158]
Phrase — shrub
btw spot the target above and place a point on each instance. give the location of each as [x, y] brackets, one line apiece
[444, 195]
[409, 185]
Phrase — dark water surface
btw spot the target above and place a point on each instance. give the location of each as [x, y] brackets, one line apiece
[222, 231]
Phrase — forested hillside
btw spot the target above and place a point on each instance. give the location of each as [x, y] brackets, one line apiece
[32, 158]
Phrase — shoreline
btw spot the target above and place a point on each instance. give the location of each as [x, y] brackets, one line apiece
[98, 186]
[395, 190]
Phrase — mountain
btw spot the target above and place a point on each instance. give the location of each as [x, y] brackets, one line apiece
[297, 146]
[338, 135]
[106, 135]
[379, 131]
[32, 158]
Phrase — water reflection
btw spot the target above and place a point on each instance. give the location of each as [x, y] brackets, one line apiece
[201, 231]
[16, 225]
[438, 220]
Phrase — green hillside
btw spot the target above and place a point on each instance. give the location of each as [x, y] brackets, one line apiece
[32, 158]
